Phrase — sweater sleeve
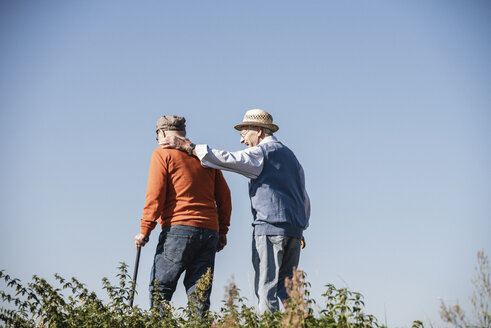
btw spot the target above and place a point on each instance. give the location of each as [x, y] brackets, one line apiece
[156, 190]
[223, 201]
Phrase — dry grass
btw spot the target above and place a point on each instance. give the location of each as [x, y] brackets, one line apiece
[480, 300]
[296, 308]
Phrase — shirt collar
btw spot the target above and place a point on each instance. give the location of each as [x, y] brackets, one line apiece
[268, 139]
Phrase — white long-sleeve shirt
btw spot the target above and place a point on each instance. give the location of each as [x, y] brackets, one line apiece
[248, 162]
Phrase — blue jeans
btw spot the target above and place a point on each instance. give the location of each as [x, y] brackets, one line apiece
[273, 258]
[183, 248]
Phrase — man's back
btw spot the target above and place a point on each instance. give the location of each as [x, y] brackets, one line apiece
[182, 192]
[277, 194]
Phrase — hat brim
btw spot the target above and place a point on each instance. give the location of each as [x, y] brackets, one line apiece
[272, 127]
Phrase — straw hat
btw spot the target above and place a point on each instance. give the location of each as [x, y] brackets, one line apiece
[257, 117]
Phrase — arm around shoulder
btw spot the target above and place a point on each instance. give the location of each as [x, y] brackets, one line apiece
[248, 162]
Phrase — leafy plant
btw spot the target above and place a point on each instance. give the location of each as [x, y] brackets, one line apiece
[71, 304]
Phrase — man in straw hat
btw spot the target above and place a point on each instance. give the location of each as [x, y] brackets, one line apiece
[280, 204]
[192, 204]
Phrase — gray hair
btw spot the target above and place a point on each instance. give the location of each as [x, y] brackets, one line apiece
[267, 131]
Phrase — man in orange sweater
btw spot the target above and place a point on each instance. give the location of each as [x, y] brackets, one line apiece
[193, 206]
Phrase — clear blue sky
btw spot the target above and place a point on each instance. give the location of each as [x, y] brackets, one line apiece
[387, 105]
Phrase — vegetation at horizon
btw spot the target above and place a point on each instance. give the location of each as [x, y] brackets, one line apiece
[71, 304]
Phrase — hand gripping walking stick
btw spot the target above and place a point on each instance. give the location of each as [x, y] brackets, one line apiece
[135, 272]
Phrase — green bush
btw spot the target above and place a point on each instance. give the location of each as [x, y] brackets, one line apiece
[71, 304]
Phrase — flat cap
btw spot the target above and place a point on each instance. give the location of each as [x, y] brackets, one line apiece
[171, 123]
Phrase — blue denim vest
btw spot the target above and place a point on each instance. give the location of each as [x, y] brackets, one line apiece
[277, 194]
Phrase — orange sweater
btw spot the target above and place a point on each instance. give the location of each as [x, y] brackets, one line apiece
[182, 192]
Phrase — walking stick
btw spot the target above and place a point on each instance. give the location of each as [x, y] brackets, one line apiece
[135, 272]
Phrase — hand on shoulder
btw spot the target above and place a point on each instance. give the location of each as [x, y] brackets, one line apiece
[174, 142]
